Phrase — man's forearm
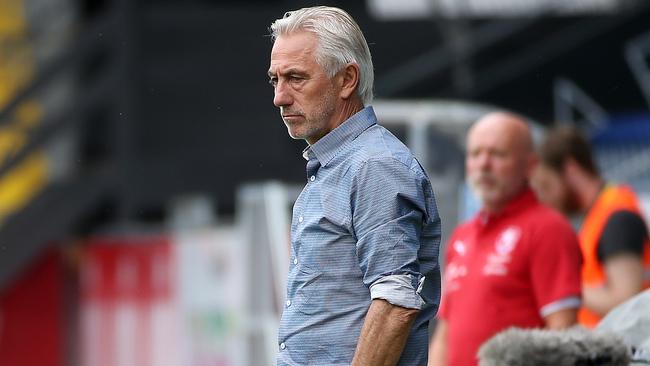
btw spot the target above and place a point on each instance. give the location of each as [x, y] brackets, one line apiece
[438, 345]
[384, 334]
[624, 275]
[596, 299]
[600, 299]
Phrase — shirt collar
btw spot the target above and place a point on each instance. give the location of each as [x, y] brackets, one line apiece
[329, 145]
[524, 199]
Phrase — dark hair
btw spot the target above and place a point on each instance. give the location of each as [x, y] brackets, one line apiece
[563, 142]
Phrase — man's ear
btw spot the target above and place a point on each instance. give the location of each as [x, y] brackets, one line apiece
[349, 80]
[531, 163]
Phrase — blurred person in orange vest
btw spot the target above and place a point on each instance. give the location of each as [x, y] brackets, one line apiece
[613, 235]
[516, 262]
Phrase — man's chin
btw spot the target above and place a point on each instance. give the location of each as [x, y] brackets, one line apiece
[294, 133]
[493, 197]
[482, 196]
[482, 192]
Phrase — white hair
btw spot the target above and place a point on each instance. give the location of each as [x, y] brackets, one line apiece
[340, 42]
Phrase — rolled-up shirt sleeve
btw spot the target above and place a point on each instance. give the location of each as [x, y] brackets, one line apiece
[389, 207]
[397, 290]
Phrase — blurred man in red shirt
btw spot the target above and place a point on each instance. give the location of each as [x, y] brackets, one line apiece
[517, 262]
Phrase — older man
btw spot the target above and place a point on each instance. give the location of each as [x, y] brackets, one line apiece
[517, 262]
[364, 277]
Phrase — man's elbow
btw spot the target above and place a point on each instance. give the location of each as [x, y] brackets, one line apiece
[398, 313]
[409, 315]
[404, 315]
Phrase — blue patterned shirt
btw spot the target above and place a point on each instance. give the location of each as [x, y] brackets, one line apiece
[364, 227]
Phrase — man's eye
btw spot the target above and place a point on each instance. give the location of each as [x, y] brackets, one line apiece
[273, 82]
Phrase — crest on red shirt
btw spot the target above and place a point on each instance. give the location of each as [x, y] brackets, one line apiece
[497, 262]
[460, 247]
[507, 240]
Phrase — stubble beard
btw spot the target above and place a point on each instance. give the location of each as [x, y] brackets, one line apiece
[570, 202]
[314, 125]
[495, 192]
[485, 193]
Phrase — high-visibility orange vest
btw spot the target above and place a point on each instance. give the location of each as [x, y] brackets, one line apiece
[611, 199]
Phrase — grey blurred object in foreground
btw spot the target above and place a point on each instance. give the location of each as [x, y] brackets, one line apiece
[631, 322]
[575, 346]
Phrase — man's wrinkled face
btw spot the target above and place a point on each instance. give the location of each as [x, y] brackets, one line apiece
[306, 96]
[552, 189]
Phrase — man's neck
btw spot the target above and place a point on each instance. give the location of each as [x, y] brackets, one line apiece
[495, 208]
[342, 114]
[348, 109]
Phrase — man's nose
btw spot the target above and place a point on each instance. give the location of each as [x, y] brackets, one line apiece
[282, 96]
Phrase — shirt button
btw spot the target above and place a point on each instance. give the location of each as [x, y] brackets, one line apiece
[283, 346]
[295, 261]
[300, 219]
[312, 178]
[288, 303]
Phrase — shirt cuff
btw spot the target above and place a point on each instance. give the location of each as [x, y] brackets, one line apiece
[572, 302]
[397, 290]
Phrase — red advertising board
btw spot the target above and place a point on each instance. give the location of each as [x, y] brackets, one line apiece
[127, 308]
[31, 315]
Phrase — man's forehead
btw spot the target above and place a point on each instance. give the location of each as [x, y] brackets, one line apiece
[293, 53]
[491, 140]
[299, 44]
[502, 136]
[288, 69]
[281, 67]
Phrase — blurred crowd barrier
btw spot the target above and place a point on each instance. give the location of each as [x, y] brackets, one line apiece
[166, 300]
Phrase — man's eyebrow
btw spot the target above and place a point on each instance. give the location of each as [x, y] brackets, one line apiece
[294, 71]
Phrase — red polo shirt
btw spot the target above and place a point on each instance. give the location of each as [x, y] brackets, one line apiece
[507, 269]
